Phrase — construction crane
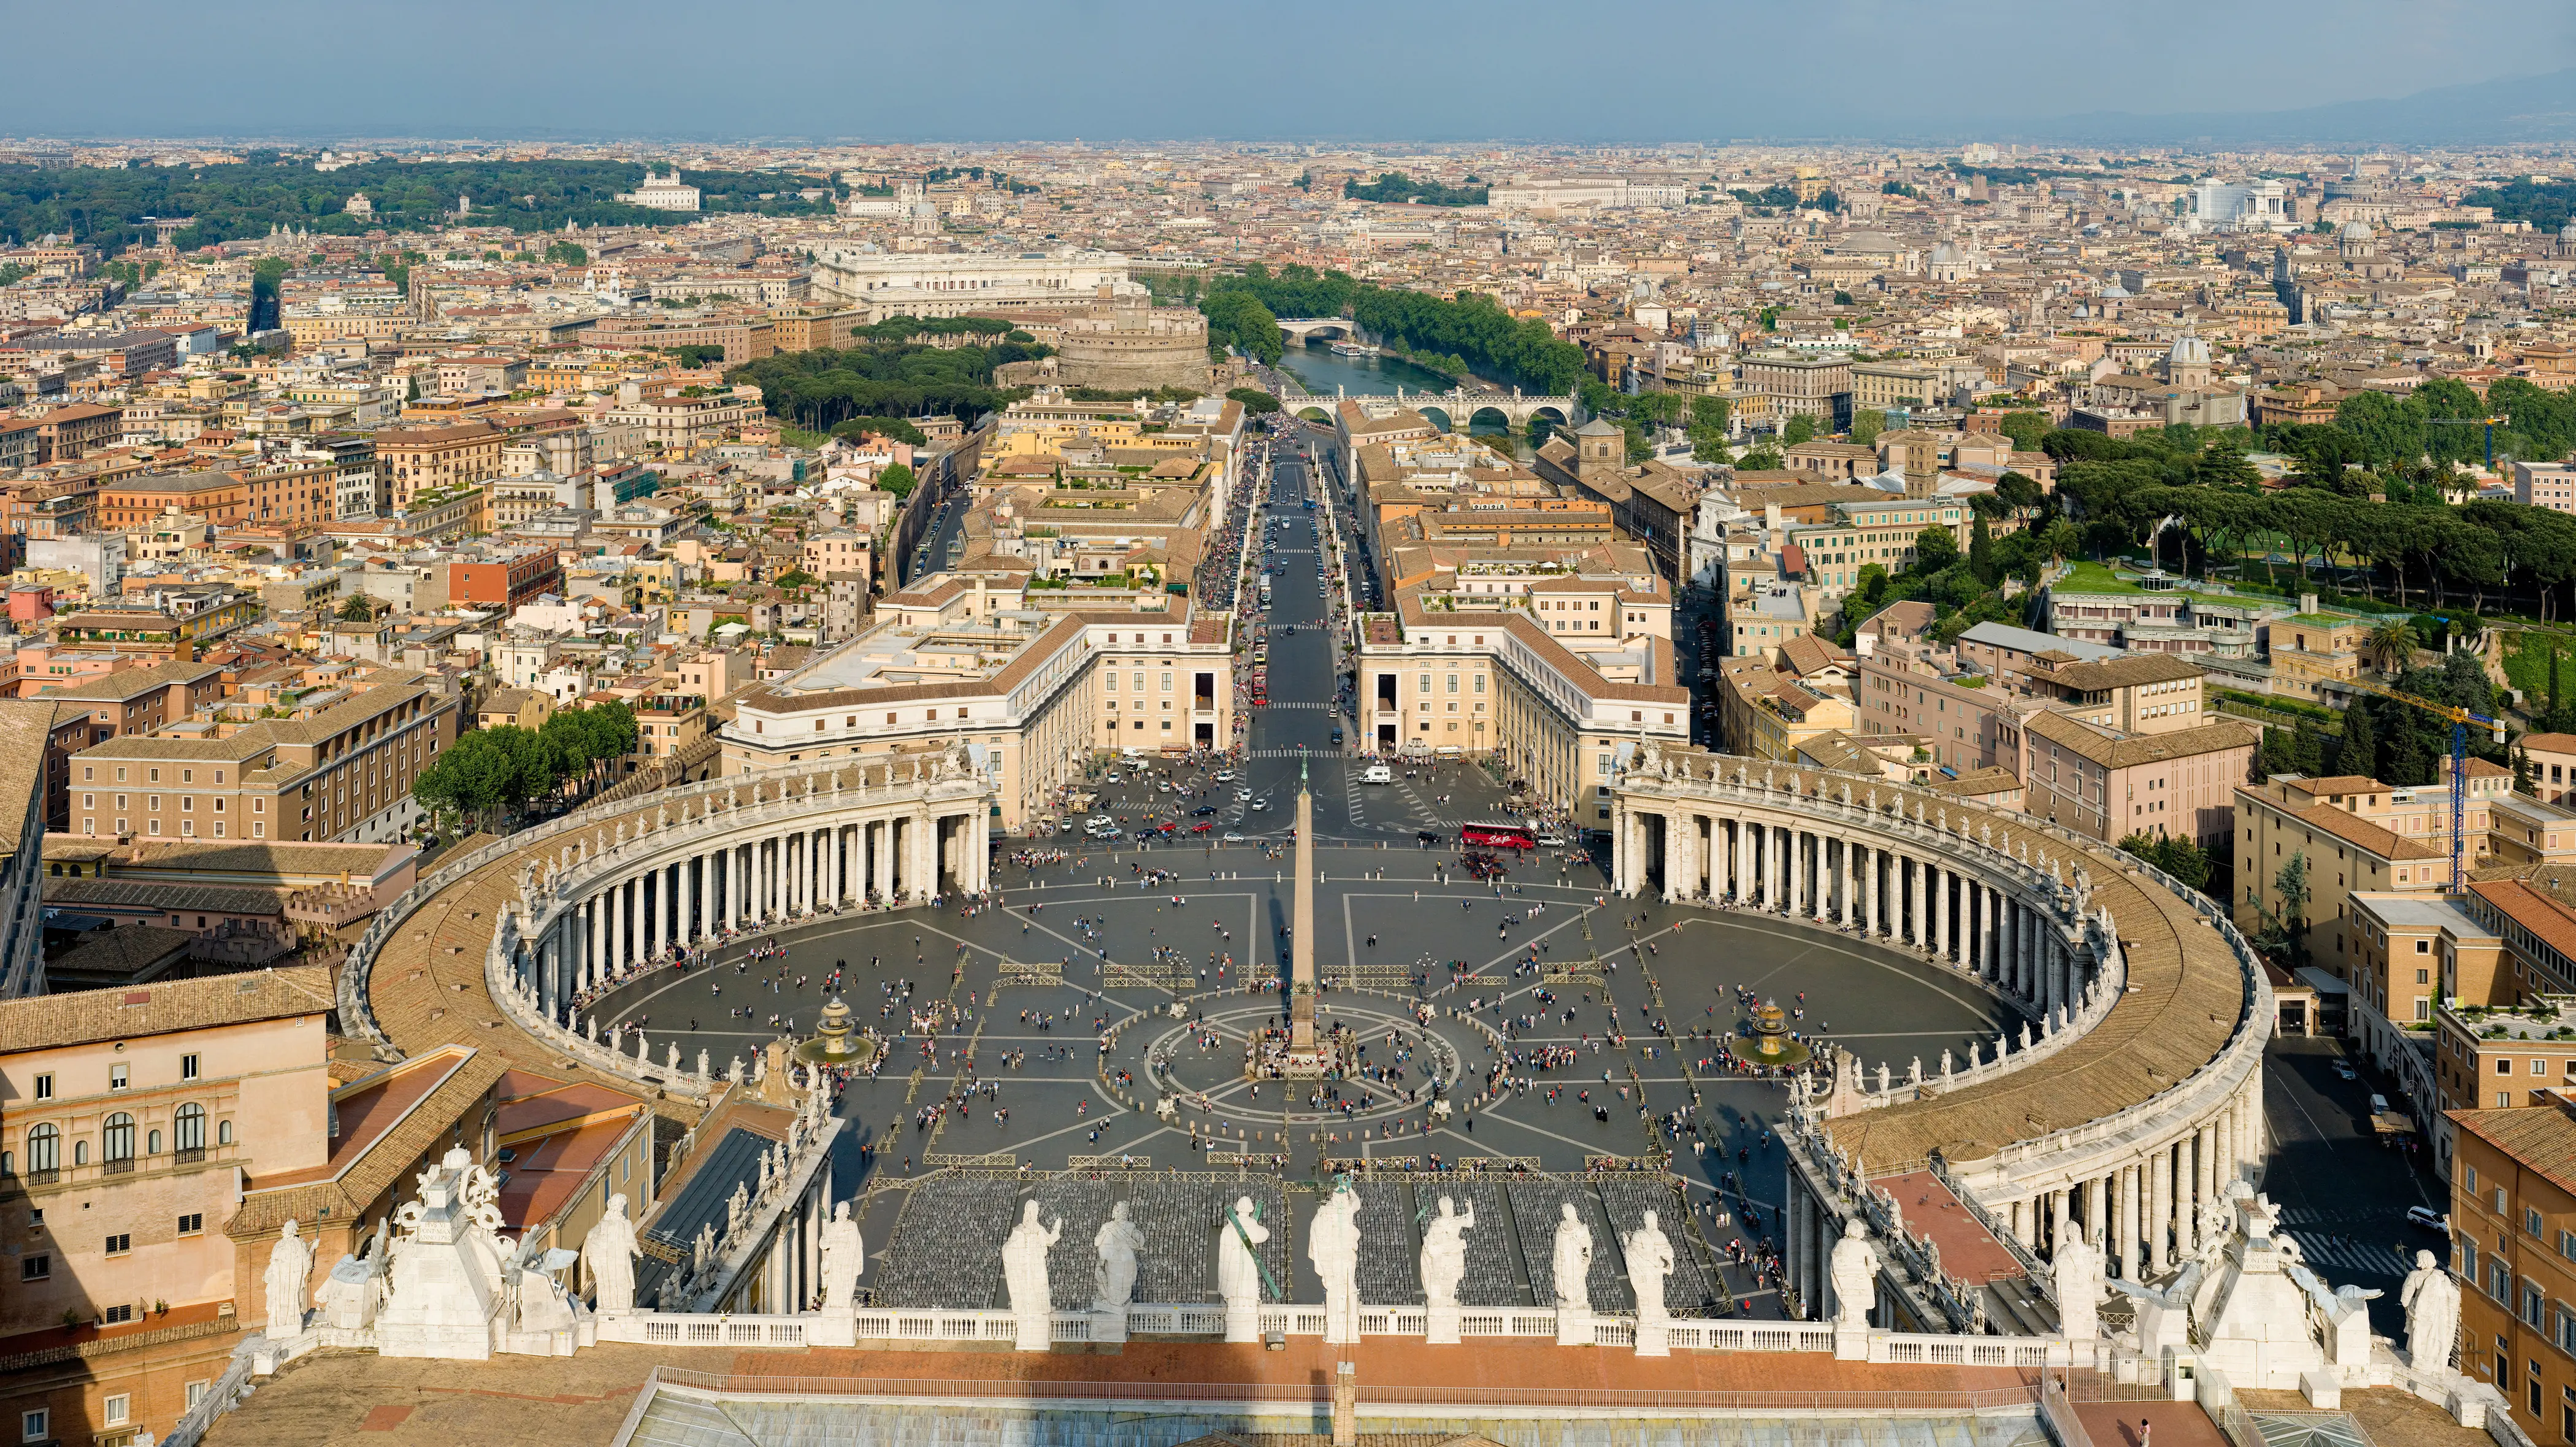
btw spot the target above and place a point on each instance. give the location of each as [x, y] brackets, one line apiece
[2489, 423]
[2459, 719]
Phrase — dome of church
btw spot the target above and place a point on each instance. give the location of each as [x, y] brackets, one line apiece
[2354, 231]
[2188, 351]
[1948, 254]
[2115, 292]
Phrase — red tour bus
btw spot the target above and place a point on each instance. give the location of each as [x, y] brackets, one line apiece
[1496, 836]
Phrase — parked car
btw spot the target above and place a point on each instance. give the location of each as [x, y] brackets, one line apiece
[1202, 811]
[1202, 828]
[2425, 1218]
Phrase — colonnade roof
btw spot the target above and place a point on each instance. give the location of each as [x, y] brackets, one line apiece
[2186, 993]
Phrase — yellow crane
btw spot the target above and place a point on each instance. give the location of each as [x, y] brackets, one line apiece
[2459, 719]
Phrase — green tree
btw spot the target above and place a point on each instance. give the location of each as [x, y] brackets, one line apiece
[1935, 548]
[567, 253]
[1981, 553]
[1238, 319]
[2307, 748]
[2025, 429]
[1867, 423]
[2359, 751]
[1801, 428]
[2391, 644]
[897, 479]
[1255, 401]
[357, 608]
[2286, 924]
[2522, 781]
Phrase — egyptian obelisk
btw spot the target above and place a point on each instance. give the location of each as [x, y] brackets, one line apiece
[1301, 944]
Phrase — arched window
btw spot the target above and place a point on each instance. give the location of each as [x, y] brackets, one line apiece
[224, 1133]
[152, 1143]
[44, 1149]
[80, 1153]
[116, 1139]
[188, 1129]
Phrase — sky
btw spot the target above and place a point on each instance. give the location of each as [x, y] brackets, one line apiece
[1109, 70]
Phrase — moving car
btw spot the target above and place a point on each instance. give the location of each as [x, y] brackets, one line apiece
[1377, 773]
[1202, 811]
[2425, 1218]
[1202, 828]
[1233, 838]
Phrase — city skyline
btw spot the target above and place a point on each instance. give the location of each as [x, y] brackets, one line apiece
[1855, 69]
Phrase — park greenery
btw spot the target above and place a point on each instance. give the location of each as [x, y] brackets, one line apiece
[883, 377]
[2545, 204]
[490, 775]
[1396, 187]
[1517, 351]
[1256, 403]
[107, 205]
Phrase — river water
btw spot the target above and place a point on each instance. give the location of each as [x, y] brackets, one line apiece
[1322, 372]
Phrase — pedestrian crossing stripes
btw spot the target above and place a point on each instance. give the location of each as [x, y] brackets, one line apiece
[1317, 707]
[2342, 1254]
[1300, 753]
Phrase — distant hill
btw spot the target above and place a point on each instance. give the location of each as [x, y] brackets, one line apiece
[2522, 109]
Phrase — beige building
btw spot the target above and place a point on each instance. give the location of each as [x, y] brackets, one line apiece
[2108, 784]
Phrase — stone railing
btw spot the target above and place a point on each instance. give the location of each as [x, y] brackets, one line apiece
[777, 798]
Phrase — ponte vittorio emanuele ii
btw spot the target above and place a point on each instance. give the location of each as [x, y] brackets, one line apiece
[2112, 1141]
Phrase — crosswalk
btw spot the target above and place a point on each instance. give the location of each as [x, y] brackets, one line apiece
[2341, 1255]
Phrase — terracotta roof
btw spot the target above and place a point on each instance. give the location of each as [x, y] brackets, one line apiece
[2543, 1140]
[87, 1016]
[2130, 751]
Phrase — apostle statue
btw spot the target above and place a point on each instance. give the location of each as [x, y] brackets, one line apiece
[1650, 1260]
[1119, 1242]
[1238, 1270]
[844, 1257]
[1333, 1245]
[1444, 1254]
[1024, 1272]
[2432, 1302]
[1854, 1271]
[290, 1261]
[609, 1253]
[2078, 1278]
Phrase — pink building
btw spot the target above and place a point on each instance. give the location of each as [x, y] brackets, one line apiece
[2108, 785]
[2545, 484]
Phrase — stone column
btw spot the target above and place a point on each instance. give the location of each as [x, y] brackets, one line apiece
[834, 889]
[1822, 847]
[731, 854]
[1941, 925]
[2160, 1188]
[884, 858]
[684, 929]
[595, 966]
[2128, 1254]
[1873, 859]
[2021, 1221]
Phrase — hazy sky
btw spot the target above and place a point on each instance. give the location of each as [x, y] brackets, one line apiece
[1142, 69]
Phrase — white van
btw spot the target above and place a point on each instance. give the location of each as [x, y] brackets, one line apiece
[1377, 774]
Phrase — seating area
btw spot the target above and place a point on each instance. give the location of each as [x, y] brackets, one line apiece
[946, 1248]
[1390, 1267]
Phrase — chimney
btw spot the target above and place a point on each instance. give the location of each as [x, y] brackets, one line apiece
[2307, 602]
[1346, 1415]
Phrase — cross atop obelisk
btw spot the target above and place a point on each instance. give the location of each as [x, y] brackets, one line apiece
[1301, 943]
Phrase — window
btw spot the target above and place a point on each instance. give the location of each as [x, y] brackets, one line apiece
[118, 1076]
[116, 1409]
[2531, 1220]
[192, 1224]
[35, 1425]
[116, 1315]
[35, 1268]
[120, 1243]
[224, 1133]
[116, 1138]
[189, 1129]
[45, 1086]
[188, 1063]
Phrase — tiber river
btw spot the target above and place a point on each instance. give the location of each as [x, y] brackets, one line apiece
[1315, 365]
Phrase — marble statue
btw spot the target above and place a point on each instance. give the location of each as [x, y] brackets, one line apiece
[1444, 1254]
[290, 1262]
[609, 1253]
[2432, 1302]
[844, 1257]
[1238, 1271]
[1024, 1272]
[351, 1293]
[1855, 1276]
[1570, 1262]
[1333, 1246]
[2077, 1276]
[1119, 1242]
[1650, 1260]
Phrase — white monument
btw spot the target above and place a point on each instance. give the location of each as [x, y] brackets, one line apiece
[1650, 1260]
[2077, 1277]
[1854, 1273]
[1444, 1265]
[2432, 1302]
[1333, 1245]
[1238, 1270]
[2256, 1329]
[1119, 1242]
[608, 1253]
[445, 1294]
[844, 1257]
[290, 1264]
[1024, 1271]
[351, 1293]
[1570, 1264]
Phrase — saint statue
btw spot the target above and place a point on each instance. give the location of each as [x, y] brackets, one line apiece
[608, 1253]
[2078, 1279]
[1024, 1272]
[1855, 1276]
[844, 1257]
[1333, 1245]
[1650, 1260]
[290, 1261]
[2432, 1302]
[1238, 1271]
[1119, 1242]
[1444, 1253]
[1572, 1260]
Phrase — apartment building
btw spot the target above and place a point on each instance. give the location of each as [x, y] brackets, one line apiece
[2142, 694]
[1815, 385]
[434, 459]
[139, 700]
[2107, 784]
[504, 578]
[2410, 951]
[339, 767]
[130, 1120]
[1031, 697]
[677, 423]
[2355, 833]
[2513, 1225]
[1469, 685]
